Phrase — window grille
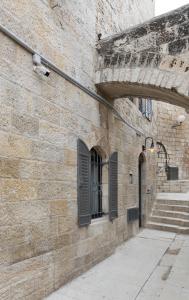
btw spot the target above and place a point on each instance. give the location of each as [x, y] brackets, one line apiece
[132, 214]
[96, 185]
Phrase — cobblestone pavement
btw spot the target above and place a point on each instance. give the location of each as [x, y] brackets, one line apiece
[153, 265]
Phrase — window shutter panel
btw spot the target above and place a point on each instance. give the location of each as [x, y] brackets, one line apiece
[113, 186]
[142, 106]
[83, 181]
[149, 109]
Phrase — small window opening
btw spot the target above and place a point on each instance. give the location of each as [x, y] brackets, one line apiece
[131, 178]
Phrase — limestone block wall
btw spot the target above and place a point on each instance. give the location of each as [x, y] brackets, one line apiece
[41, 119]
[175, 140]
[131, 148]
[130, 13]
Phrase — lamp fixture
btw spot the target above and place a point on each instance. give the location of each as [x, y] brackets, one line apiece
[151, 148]
[179, 120]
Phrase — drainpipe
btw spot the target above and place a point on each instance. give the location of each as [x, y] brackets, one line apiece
[54, 68]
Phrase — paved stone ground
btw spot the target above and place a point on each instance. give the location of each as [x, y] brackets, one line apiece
[153, 265]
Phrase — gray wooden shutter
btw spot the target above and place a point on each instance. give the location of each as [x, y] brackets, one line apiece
[149, 111]
[142, 105]
[83, 181]
[113, 186]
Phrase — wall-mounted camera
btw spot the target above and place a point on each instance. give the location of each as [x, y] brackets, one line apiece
[38, 67]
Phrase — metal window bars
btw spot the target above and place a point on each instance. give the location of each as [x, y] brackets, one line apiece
[96, 185]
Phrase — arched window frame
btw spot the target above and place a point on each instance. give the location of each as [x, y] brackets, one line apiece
[84, 185]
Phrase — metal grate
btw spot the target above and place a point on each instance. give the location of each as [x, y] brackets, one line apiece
[132, 214]
[172, 173]
[96, 185]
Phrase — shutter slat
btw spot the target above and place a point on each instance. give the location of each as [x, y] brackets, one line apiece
[113, 186]
[83, 190]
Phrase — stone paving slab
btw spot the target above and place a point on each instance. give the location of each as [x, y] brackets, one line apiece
[149, 266]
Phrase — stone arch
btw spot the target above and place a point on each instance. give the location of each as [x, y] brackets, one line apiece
[100, 151]
[157, 82]
[148, 60]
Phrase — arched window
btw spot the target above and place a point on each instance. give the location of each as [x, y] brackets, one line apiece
[96, 184]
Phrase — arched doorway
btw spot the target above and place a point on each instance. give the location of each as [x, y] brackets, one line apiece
[141, 187]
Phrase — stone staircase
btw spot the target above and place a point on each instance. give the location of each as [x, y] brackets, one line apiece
[170, 213]
[175, 186]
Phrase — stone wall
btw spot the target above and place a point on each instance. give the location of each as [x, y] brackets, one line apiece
[116, 16]
[40, 122]
[175, 140]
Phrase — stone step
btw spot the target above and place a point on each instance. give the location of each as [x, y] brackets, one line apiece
[170, 214]
[174, 189]
[170, 221]
[176, 183]
[173, 202]
[173, 196]
[168, 227]
[175, 186]
[176, 208]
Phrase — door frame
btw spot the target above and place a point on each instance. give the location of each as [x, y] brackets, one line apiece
[141, 185]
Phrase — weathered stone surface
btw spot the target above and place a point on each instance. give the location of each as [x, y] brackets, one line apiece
[143, 47]
[25, 124]
[47, 111]
[18, 190]
[41, 119]
[45, 151]
[14, 146]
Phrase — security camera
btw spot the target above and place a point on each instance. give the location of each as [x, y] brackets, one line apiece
[38, 67]
[42, 70]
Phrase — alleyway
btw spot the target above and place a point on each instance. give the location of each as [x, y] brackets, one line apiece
[153, 265]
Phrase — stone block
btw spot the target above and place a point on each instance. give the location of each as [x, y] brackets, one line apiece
[5, 117]
[47, 110]
[14, 96]
[14, 146]
[57, 190]
[23, 212]
[9, 167]
[25, 124]
[10, 236]
[18, 190]
[58, 207]
[46, 152]
[56, 135]
[65, 223]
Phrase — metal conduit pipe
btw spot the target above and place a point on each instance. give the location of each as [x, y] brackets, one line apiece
[54, 68]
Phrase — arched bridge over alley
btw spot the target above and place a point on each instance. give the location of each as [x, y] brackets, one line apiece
[149, 60]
